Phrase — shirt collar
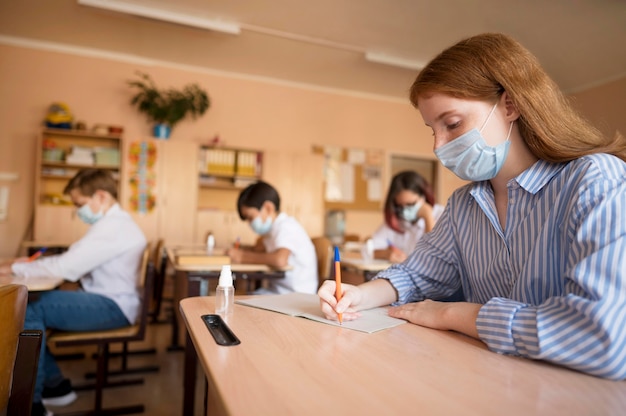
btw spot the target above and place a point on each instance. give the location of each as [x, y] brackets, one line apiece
[538, 175]
[532, 179]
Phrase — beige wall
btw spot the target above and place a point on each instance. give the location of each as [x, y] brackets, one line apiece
[604, 106]
[245, 112]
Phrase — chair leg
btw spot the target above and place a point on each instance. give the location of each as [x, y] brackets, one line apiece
[101, 383]
[124, 365]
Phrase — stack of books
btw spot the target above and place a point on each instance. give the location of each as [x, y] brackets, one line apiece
[80, 155]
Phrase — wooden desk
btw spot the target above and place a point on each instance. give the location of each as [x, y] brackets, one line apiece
[288, 365]
[368, 268]
[35, 284]
[193, 280]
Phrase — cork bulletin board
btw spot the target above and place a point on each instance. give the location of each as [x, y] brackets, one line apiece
[353, 178]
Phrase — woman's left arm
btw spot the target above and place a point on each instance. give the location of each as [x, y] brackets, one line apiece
[581, 327]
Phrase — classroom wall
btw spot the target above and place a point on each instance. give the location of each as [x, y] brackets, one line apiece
[245, 112]
[604, 106]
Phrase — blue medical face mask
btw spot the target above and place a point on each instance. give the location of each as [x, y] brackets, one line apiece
[261, 227]
[409, 212]
[471, 158]
[87, 215]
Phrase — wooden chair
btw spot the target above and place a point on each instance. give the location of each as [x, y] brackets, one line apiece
[103, 339]
[19, 353]
[160, 262]
[324, 252]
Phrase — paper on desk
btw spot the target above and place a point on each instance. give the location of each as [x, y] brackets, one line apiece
[306, 305]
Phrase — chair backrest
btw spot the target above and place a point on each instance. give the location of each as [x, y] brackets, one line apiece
[323, 250]
[124, 334]
[25, 372]
[145, 286]
[13, 300]
[159, 259]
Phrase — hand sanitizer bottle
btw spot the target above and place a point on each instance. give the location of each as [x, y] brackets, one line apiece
[210, 243]
[225, 292]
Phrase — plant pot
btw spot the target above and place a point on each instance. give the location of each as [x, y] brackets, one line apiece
[162, 131]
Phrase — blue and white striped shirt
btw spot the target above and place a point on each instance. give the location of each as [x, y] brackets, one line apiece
[553, 282]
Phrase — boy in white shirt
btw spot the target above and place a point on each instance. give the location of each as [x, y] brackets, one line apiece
[284, 241]
[106, 261]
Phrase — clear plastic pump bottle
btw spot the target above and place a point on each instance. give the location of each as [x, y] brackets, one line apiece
[210, 243]
[225, 292]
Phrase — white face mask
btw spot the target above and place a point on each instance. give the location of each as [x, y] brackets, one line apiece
[471, 158]
[87, 215]
[261, 227]
[409, 212]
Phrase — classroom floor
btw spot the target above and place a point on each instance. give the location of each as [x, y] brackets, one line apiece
[162, 391]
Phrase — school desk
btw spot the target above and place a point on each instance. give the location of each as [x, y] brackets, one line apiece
[193, 280]
[294, 366]
[369, 268]
[35, 284]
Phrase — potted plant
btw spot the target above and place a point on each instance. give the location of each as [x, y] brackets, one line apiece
[167, 107]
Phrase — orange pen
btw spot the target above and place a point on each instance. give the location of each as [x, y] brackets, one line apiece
[37, 254]
[338, 293]
[237, 243]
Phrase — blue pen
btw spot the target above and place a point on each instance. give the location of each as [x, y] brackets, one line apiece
[37, 254]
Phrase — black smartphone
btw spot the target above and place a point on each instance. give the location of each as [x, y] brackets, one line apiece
[221, 333]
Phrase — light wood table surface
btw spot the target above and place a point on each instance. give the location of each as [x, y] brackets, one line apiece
[193, 280]
[368, 268]
[33, 284]
[293, 366]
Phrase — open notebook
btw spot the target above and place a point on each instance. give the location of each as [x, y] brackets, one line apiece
[308, 306]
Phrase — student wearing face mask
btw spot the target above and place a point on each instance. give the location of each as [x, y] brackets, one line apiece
[283, 241]
[537, 241]
[106, 262]
[410, 211]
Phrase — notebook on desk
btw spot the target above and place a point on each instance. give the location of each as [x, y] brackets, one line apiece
[305, 305]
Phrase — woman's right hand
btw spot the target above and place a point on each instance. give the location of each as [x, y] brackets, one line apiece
[396, 255]
[350, 299]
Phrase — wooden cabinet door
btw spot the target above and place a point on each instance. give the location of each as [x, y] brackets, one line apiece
[58, 225]
[298, 177]
[177, 184]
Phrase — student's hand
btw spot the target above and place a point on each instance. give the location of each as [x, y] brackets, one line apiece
[455, 316]
[426, 213]
[428, 313]
[351, 297]
[5, 268]
[396, 255]
[22, 260]
[235, 254]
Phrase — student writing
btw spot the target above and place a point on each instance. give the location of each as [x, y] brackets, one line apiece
[410, 211]
[537, 240]
[106, 261]
[284, 242]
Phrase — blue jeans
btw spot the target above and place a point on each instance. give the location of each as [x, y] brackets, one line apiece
[67, 311]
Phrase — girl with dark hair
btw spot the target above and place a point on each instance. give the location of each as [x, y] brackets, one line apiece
[410, 211]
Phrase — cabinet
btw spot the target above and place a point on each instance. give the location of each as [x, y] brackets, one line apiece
[228, 168]
[299, 179]
[173, 180]
[223, 173]
[60, 155]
